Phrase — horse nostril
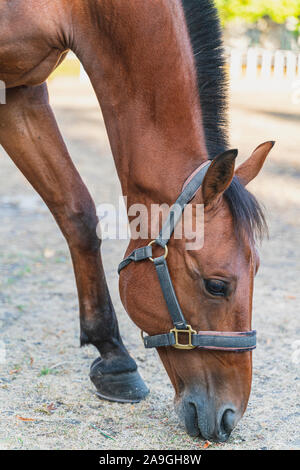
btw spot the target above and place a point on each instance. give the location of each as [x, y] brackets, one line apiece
[227, 422]
[191, 419]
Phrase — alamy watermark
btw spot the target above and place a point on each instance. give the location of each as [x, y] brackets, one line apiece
[2, 92]
[296, 352]
[2, 352]
[142, 222]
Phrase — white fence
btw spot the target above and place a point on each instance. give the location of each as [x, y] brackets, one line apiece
[263, 64]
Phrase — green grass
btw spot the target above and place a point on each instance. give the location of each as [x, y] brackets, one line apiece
[47, 371]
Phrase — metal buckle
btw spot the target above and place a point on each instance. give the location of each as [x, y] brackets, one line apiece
[188, 345]
[165, 254]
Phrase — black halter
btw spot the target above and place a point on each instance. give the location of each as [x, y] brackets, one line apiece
[216, 340]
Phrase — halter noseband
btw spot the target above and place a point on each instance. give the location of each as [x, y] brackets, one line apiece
[209, 340]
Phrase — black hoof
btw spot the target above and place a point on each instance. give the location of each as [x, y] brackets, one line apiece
[122, 387]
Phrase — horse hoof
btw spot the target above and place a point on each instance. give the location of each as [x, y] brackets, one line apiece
[123, 387]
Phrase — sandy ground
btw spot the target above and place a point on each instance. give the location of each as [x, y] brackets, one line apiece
[45, 376]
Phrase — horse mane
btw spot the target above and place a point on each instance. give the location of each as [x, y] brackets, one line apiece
[204, 28]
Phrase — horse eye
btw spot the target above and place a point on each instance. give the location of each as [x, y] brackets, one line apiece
[216, 287]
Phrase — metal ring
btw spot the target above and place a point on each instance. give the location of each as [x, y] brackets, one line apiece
[166, 250]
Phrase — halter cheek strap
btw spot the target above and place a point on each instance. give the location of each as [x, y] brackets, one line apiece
[210, 340]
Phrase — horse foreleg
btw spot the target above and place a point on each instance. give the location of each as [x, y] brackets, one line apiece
[29, 134]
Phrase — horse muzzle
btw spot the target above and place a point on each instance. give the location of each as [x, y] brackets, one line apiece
[201, 417]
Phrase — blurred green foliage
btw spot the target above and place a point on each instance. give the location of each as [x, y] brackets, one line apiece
[252, 10]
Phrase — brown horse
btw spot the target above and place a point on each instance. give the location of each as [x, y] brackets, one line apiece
[158, 72]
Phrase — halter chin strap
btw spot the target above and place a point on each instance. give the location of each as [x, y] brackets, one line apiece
[215, 340]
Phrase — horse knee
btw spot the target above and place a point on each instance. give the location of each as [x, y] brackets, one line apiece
[79, 226]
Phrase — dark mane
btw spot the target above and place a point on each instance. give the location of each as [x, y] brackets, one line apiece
[206, 38]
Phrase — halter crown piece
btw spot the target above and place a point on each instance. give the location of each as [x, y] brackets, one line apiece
[209, 340]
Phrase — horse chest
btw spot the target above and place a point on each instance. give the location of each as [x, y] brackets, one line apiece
[26, 54]
[22, 65]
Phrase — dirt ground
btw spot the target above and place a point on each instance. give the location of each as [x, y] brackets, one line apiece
[46, 398]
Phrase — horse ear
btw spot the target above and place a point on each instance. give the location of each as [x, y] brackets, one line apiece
[248, 170]
[218, 176]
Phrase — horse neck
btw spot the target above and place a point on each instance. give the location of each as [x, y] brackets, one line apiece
[140, 62]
